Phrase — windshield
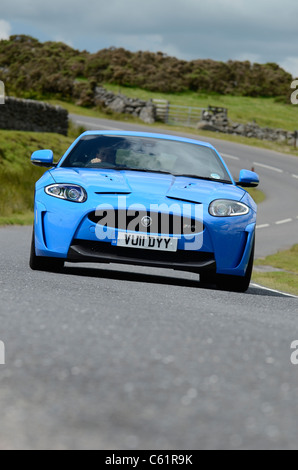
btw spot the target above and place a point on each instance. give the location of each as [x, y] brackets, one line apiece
[146, 154]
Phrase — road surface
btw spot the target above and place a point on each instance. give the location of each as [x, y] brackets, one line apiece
[123, 358]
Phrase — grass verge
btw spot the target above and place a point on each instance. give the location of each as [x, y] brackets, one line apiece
[18, 219]
[284, 280]
[257, 195]
[266, 112]
[18, 175]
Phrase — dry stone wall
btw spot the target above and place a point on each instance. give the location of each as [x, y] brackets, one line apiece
[219, 122]
[144, 110]
[35, 116]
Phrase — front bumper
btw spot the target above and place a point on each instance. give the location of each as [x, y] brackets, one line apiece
[63, 230]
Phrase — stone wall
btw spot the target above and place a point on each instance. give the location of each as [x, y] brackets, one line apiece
[219, 122]
[144, 110]
[36, 116]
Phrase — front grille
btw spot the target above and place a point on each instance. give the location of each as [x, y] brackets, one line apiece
[147, 222]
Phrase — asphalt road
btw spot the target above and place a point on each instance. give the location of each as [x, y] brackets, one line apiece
[278, 215]
[134, 358]
[121, 358]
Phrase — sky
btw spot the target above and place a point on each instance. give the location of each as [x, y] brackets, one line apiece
[256, 30]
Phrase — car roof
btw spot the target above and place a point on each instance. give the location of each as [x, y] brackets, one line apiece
[148, 134]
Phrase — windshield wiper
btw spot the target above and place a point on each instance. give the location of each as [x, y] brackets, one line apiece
[125, 168]
[207, 178]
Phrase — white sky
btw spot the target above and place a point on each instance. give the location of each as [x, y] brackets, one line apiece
[256, 30]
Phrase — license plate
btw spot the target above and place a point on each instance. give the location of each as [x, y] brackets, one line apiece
[147, 242]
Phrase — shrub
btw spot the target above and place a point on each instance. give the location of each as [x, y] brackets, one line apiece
[35, 69]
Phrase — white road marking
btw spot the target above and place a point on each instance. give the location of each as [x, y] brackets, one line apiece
[295, 176]
[225, 155]
[279, 222]
[91, 124]
[268, 167]
[275, 291]
[285, 221]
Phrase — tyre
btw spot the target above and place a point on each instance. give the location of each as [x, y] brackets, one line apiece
[208, 278]
[40, 263]
[237, 283]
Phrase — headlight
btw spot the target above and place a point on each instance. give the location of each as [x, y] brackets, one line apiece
[68, 192]
[227, 208]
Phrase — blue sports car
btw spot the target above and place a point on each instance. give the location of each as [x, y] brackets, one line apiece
[145, 199]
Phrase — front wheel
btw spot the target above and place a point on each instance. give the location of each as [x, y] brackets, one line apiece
[42, 263]
[208, 278]
[237, 283]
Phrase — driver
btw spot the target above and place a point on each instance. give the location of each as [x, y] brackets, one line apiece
[105, 155]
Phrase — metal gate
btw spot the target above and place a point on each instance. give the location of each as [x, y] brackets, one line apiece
[177, 115]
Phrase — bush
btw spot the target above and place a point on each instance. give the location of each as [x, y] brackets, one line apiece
[50, 69]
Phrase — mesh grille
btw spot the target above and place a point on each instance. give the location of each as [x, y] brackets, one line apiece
[147, 222]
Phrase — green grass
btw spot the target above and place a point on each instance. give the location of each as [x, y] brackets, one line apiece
[279, 281]
[18, 175]
[257, 195]
[18, 219]
[286, 280]
[267, 112]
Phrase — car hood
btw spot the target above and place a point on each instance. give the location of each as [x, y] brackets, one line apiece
[150, 186]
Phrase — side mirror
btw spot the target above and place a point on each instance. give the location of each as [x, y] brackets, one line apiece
[248, 179]
[43, 158]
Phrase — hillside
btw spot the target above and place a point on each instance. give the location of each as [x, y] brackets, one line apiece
[33, 69]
